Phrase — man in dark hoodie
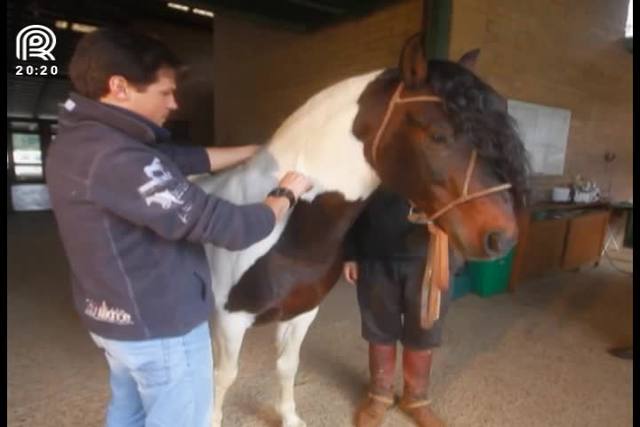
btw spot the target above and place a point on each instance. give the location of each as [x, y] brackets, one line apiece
[133, 226]
[386, 257]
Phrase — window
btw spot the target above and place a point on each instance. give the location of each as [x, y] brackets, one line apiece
[24, 126]
[27, 155]
[628, 30]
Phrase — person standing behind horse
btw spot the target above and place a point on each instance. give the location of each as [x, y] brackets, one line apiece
[133, 226]
[386, 257]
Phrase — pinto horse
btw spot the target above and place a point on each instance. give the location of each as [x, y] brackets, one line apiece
[430, 130]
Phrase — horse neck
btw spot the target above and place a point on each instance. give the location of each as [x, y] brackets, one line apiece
[317, 140]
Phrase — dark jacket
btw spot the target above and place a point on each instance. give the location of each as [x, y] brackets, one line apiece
[382, 231]
[133, 226]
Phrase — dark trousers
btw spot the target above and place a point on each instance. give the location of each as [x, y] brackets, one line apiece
[389, 300]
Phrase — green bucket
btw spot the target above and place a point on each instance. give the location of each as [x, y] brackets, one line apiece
[490, 277]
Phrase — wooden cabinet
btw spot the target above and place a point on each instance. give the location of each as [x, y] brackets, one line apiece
[553, 238]
[585, 238]
[544, 248]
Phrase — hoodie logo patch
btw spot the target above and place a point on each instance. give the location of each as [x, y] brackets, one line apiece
[156, 189]
[104, 313]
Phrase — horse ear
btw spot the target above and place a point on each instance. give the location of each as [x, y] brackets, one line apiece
[468, 60]
[413, 62]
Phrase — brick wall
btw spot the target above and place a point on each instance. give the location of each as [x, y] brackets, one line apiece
[565, 54]
[263, 73]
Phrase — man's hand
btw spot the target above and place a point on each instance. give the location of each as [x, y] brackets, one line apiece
[294, 181]
[350, 271]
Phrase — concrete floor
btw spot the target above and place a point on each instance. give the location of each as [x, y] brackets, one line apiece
[534, 358]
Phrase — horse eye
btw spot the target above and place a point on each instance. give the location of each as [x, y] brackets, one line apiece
[439, 138]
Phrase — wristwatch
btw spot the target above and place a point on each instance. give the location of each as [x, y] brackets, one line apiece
[283, 192]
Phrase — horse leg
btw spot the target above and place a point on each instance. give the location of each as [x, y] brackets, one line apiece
[228, 333]
[290, 336]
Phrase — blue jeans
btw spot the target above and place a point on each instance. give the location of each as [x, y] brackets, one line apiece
[160, 382]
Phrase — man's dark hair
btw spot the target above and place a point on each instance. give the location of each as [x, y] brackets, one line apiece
[107, 52]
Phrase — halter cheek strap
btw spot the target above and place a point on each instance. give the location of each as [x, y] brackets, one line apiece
[420, 218]
[436, 275]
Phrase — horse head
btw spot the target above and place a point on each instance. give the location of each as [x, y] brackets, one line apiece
[441, 137]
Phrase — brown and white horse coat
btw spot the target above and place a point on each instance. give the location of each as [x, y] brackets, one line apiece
[285, 276]
[423, 154]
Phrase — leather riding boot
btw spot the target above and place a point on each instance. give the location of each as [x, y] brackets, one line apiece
[416, 368]
[382, 364]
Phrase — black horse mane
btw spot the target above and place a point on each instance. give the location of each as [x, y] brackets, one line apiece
[479, 114]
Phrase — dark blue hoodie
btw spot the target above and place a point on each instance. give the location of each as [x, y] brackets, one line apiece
[133, 226]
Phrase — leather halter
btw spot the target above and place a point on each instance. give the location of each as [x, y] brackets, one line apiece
[420, 218]
[436, 275]
[395, 99]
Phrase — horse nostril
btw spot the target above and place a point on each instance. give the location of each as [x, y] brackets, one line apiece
[497, 242]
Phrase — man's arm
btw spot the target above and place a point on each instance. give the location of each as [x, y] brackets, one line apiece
[190, 159]
[194, 160]
[224, 157]
[350, 268]
[138, 187]
[350, 243]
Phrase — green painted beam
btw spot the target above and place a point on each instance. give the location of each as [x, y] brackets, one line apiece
[437, 23]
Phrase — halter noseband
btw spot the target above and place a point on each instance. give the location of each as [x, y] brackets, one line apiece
[436, 275]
